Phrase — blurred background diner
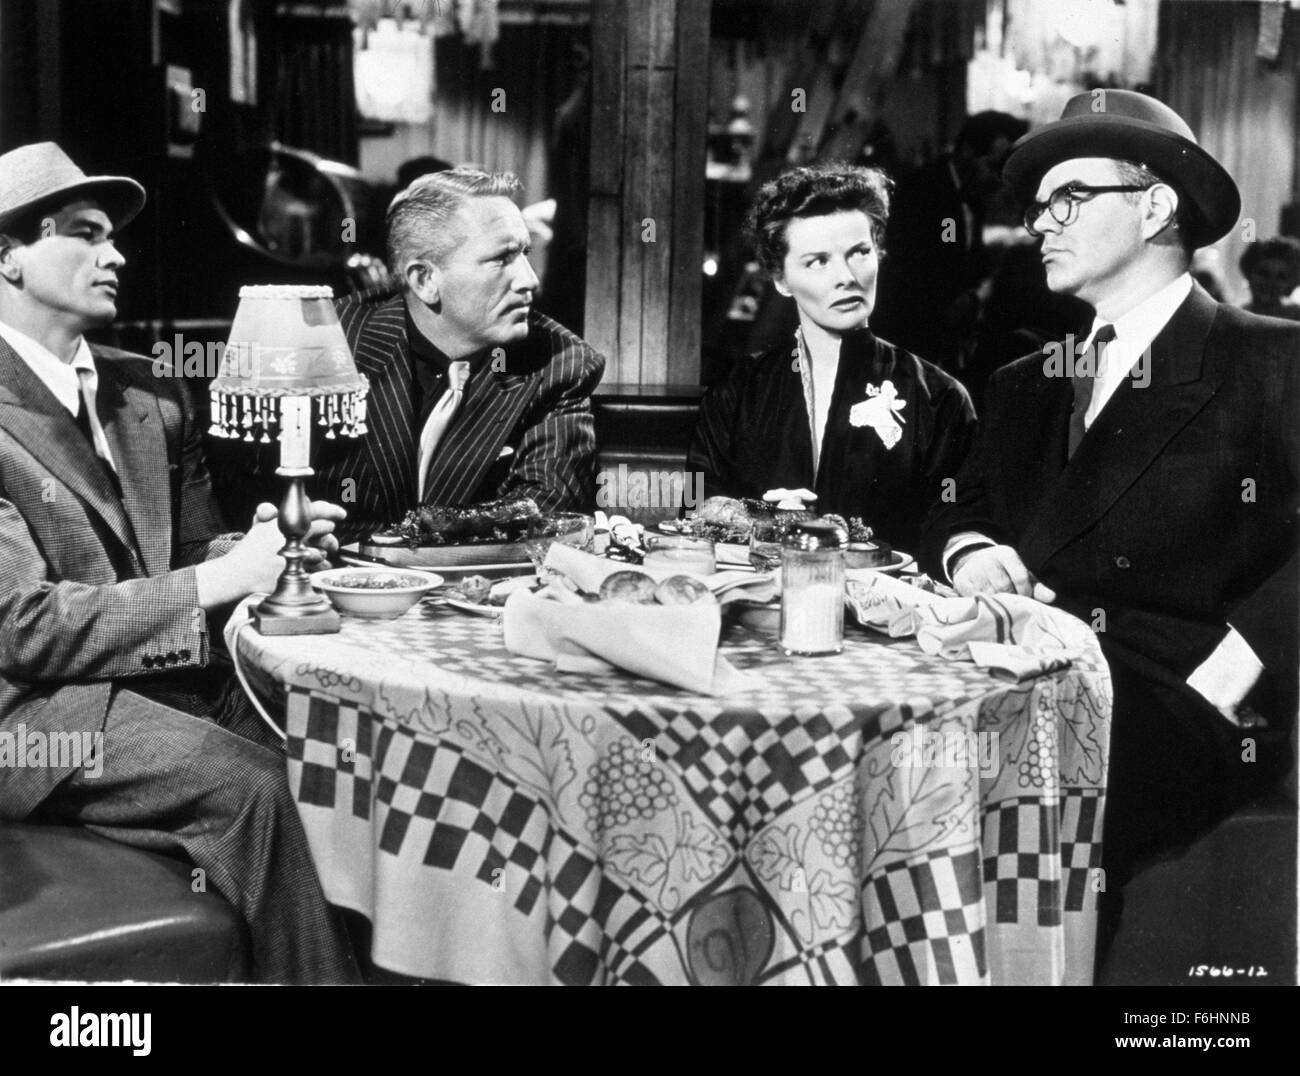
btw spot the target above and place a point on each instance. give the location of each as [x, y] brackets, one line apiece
[271, 137]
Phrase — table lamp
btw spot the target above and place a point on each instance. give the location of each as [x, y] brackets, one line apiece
[287, 367]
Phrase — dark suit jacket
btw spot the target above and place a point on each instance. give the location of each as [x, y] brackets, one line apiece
[1177, 514]
[526, 430]
[93, 589]
[753, 435]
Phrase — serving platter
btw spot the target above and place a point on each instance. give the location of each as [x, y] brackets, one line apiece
[448, 556]
[453, 562]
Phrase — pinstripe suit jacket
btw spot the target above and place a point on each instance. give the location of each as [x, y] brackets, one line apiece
[93, 587]
[526, 430]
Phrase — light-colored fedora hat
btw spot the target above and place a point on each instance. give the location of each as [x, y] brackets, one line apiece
[42, 174]
[1127, 125]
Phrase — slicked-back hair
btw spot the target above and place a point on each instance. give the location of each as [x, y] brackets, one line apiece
[419, 218]
[816, 190]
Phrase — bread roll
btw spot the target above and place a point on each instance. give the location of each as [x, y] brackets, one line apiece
[682, 590]
[628, 586]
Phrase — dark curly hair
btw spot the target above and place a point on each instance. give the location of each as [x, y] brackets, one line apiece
[814, 191]
[1283, 248]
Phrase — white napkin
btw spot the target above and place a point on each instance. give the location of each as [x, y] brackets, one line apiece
[1012, 636]
[885, 603]
[677, 644]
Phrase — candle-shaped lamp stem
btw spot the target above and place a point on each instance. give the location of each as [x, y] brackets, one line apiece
[295, 432]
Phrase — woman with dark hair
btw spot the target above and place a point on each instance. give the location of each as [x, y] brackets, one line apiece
[871, 428]
[1272, 269]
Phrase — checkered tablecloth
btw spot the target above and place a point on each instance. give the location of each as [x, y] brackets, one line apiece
[501, 822]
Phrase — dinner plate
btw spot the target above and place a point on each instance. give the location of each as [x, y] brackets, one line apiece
[472, 607]
[900, 563]
[505, 586]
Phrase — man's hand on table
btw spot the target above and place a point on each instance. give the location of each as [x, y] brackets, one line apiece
[996, 569]
[254, 564]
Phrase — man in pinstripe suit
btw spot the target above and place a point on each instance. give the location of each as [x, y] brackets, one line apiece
[110, 562]
[521, 426]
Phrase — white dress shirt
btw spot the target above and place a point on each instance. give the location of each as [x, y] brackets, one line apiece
[1133, 335]
[61, 378]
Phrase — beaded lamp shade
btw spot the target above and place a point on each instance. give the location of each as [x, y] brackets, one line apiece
[287, 362]
[286, 357]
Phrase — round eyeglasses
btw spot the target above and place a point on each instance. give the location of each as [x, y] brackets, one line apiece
[1063, 203]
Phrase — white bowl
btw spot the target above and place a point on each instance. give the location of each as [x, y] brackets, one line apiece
[381, 601]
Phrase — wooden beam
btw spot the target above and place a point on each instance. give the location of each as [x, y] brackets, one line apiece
[646, 214]
[605, 193]
[636, 152]
[690, 111]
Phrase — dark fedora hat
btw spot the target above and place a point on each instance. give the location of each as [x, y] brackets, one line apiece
[41, 174]
[1130, 126]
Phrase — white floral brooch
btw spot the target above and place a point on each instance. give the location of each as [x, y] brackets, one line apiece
[881, 411]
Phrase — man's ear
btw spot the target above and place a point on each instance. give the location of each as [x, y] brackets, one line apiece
[1161, 210]
[424, 279]
[10, 270]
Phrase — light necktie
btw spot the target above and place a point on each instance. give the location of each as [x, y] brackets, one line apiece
[1086, 383]
[440, 419]
[98, 438]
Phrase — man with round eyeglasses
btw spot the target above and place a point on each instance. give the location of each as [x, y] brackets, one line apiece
[1143, 475]
[1063, 203]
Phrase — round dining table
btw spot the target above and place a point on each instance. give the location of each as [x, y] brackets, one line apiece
[878, 816]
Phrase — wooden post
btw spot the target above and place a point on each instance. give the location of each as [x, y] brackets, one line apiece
[645, 239]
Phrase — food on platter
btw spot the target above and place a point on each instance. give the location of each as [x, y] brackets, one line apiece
[479, 590]
[504, 520]
[474, 589]
[730, 521]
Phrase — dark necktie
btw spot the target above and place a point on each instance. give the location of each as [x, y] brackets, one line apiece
[1085, 383]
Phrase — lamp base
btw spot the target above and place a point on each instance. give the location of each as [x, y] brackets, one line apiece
[272, 619]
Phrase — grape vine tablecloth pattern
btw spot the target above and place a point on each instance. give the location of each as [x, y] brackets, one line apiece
[500, 822]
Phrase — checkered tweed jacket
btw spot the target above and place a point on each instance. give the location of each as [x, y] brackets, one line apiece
[526, 430]
[93, 587]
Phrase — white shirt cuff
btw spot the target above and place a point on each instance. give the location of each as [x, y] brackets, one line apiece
[960, 541]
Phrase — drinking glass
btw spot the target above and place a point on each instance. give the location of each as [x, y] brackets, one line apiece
[765, 544]
[680, 553]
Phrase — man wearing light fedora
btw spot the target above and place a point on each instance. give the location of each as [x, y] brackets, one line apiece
[110, 562]
[1144, 475]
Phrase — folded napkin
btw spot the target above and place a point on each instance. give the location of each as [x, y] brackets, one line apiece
[677, 644]
[885, 603]
[588, 572]
[1012, 636]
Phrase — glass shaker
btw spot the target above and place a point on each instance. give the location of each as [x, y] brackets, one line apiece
[812, 588]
